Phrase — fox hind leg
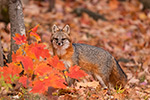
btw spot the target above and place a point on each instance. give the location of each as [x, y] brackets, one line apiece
[101, 81]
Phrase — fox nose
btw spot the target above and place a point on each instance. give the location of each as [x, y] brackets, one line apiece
[59, 44]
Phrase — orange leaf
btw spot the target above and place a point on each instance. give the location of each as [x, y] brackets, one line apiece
[75, 72]
[59, 84]
[39, 87]
[38, 50]
[14, 69]
[55, 81]
[24, 80]
[36, 36]
[42, 69]
[60, 66]
[6, 72]
[28, 51]
[18, 53]
[20, 38]
[11, 70]
[33, 33]
[35, 28]
[56, 63]
[53, 61]
[26, 61]
[113, 4]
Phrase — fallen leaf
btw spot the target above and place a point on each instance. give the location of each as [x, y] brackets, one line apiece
[93, 84]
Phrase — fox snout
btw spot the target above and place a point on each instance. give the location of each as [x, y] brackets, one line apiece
[59, 42]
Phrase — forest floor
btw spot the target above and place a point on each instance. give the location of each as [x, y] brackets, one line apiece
[125, 34]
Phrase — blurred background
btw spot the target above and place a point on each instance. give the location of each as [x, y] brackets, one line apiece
[121, 27]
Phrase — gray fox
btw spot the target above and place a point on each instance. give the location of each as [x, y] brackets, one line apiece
[93, 60]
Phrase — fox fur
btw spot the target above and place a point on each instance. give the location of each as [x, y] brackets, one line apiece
[93, 60]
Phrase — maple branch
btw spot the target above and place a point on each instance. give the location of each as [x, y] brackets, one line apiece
[94, 15]
[17, 23]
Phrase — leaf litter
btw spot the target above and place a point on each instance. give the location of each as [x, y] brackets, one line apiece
[126, 35]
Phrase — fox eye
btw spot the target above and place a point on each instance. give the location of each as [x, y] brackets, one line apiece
[56, 39]
[63, 39]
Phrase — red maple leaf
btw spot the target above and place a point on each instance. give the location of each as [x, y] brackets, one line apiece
[15, 55]
[6, 72]
[33, 33]
[38, 50]
[25, 81]
[53, 61]
[14, 69]
[60, 66]
[35, 28]
[55, 81]
[39, 87]
[26, 61]
[20, 38]
[42, 69]
[36, 36]
[75, 72]
[10, 71]
[59, 83]
[56, 63]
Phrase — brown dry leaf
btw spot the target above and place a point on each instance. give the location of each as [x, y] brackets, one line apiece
[93, 84]
[119, 96]
[134, 80]
[32, 10]
[113, 4]
[2, 25]
[129, 75]
[126, 34]
[142, 16]
[133, 6]
[67, 97]
[85, 20]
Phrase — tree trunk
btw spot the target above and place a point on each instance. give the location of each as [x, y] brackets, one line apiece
[146, 3]
[17, 23]
[4, 11]
[51, 5]
[1, 55]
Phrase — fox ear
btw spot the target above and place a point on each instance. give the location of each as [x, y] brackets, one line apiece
[54, 29]
[67, 29]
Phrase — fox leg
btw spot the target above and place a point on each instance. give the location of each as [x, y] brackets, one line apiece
[100, 80]
[69, 80]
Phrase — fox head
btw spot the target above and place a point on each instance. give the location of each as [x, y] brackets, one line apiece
[60, 38]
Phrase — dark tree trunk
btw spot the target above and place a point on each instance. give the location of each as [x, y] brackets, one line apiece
[4, 11]
[51, 5]
[146, 3]
[17, 23]
[1, 55]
